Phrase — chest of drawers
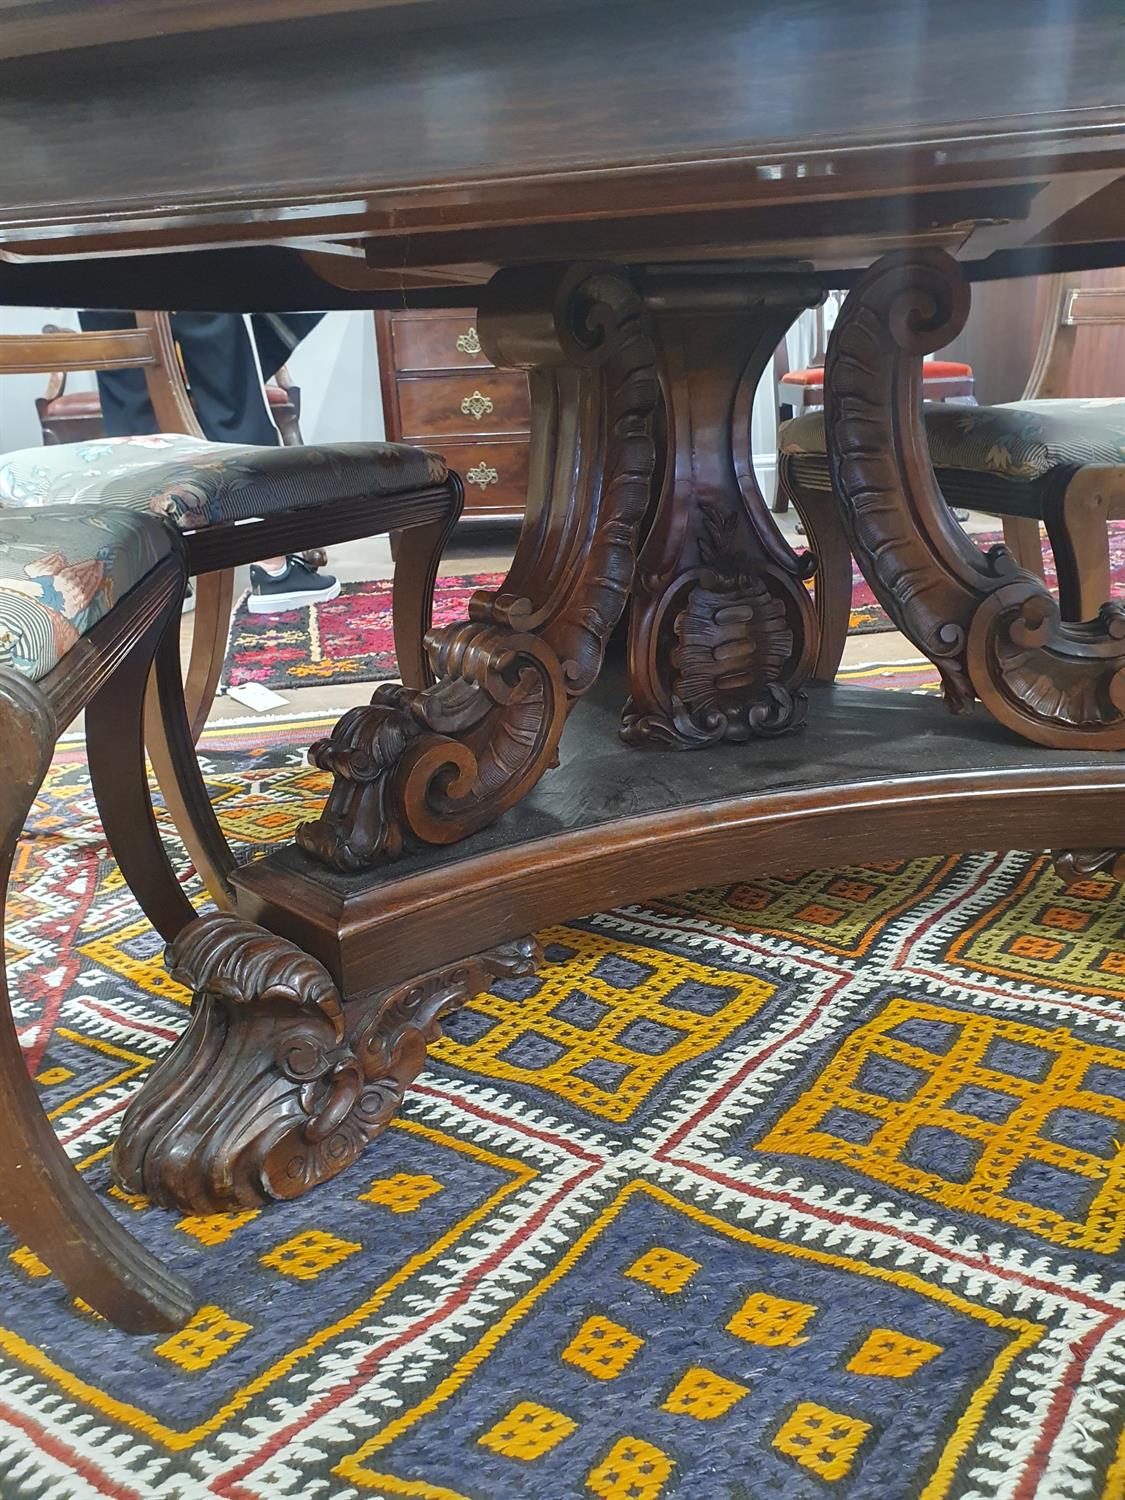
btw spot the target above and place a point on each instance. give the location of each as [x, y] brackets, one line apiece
[440, 392]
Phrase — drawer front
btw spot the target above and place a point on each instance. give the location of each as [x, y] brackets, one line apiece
[495, 475]
[484, 403]
[437, 343]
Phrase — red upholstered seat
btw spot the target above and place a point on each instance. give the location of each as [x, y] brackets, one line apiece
[932, 369]
[74, 405]
[276, 396]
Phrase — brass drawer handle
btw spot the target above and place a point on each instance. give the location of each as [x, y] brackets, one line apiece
[483, 475]
[476, 405]
[468, 343]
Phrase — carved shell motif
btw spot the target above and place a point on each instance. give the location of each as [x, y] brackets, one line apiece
[731, 639]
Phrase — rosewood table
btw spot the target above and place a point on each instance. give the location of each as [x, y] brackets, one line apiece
[640, 198]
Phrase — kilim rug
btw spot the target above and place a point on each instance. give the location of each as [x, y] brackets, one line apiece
[795, 1187]
[348, 639]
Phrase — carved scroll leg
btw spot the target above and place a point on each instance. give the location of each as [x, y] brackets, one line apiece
[723, 633]
[993, 631]
[42, 1197]
[276, 1086]
[432, 766]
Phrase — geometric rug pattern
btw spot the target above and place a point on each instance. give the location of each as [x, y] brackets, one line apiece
[800, 1187]
[349, 639]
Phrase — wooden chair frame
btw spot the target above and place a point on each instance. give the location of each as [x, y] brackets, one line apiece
[42, 1197]
[1075, 515]
[425, 519]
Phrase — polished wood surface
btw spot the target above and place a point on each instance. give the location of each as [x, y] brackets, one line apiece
[873, 775]
[483, 142]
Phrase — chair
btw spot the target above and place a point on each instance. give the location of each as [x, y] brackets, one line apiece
[802, 391]
[76, 416]
[234, 505]
[85, 596]
[1056, 462]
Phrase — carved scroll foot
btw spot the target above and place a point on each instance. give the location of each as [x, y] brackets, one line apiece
[276, 1086]
[1074, 865]
[432, 766]
[722, 631]
[993, 631]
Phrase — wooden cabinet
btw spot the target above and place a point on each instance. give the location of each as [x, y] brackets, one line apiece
[439, 391]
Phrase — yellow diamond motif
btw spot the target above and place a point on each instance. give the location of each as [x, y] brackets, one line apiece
[29, 1262]
[209, 1335]
[823, 1441]
[665, 1270]
[307, 1255]
[138, 1202]
[763, 1319]
[528, 1431]
[886, 1352]
[50, 1076]
[602, 1348]
[702, 1394]
[86, 1310]
[631, 1470]
[216, 1229]
[401, 1193]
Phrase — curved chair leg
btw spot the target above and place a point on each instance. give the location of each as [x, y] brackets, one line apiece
[116, 731]
[417, 555]
[210, 631]
[1022, 539]
[1078, 530]
[42, 1198]
[171, 748]
[832, 581]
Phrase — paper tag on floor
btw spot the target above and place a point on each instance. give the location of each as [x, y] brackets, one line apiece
[254, 695]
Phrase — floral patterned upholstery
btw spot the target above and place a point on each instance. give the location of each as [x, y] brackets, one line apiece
[63, 567]
[1023, 440]
[196, 483]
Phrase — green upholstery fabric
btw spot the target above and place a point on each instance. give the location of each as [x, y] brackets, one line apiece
[1023, 440]
[62, 568]
[196, 483]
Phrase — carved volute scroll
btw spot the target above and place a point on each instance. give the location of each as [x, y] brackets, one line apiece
[722, 631]
[275, 1087]
[430, 767]
[993, 631]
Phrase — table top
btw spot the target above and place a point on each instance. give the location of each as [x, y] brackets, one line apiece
[412, 146]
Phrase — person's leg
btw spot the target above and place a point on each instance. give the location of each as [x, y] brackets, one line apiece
[126, 409]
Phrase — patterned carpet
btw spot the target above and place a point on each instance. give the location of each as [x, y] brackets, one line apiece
[793, 1187]
[347, 640]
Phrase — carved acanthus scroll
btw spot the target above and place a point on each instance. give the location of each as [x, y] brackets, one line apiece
[275, 1086]
[722, 631]
[993, 631]
[432, 766]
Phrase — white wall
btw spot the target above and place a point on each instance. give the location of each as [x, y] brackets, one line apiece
[336, 367]
[19, 425]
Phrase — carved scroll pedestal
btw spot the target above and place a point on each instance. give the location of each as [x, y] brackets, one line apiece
[442, 833]
[722, 632]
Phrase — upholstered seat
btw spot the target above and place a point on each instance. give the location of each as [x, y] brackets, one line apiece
[62, 568]
[1024, 440]
[196, 483]
[932, 369]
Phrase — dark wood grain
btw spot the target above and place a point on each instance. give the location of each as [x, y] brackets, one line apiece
[568, 120]
[874, 775]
